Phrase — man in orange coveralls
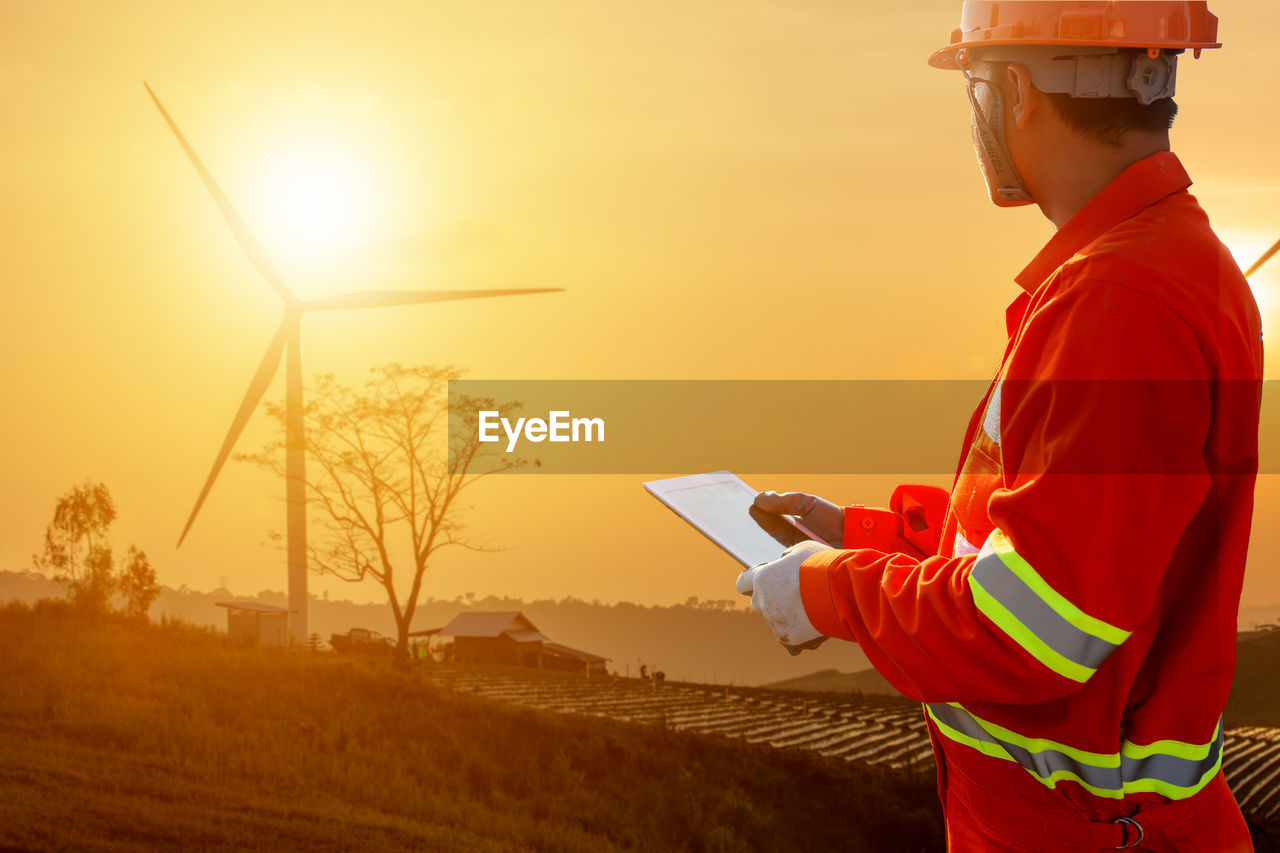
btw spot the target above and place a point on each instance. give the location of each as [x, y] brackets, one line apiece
[1067, 613]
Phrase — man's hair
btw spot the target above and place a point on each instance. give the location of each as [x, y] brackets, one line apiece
[1104, 120]
[1108, 120]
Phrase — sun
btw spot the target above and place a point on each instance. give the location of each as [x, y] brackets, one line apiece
[315, 201]
[316, 205]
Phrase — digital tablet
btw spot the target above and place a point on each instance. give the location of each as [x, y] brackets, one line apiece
[719, 505]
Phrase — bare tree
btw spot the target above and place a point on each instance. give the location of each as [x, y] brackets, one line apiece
[385, 468]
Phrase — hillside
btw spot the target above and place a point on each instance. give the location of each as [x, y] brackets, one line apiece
[710, 641]
[167, 737]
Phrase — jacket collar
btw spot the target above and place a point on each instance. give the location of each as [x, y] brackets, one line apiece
[1136, 188]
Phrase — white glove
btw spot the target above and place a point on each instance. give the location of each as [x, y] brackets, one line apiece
[775, 594]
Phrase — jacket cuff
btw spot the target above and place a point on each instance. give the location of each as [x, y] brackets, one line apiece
[815, 594]
[878, 529]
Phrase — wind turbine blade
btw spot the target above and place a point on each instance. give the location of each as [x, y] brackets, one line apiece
[387, 298]
[258, 387]
[248, 244]
[1266, 256]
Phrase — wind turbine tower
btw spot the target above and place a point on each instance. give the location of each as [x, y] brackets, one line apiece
[289, 337]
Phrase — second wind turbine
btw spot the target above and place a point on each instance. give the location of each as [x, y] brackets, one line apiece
[289, 336]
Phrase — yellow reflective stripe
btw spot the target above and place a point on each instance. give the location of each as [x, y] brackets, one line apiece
[985, 748]
[1068, 611]
[1039, 744]
[1058, 775]
[1025, 637]
[1182, 749]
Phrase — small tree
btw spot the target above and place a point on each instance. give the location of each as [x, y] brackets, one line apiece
[137, 584]
[381, 488]
[77, 553]
[75, 545]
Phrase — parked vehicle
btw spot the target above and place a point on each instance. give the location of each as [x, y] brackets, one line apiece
[362, 641]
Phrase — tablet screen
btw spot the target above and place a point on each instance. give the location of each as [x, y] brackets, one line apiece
[723, 511]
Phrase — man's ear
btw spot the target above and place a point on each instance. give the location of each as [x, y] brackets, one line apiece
[1022, 100]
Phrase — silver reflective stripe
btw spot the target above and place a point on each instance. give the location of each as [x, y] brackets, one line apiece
[1109, 775]
[1182, 772]
[991, 421]
[1032, 611]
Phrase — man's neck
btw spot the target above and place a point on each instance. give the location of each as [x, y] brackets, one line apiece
[1081, 169]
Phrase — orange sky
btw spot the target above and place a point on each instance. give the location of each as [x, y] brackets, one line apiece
[770, 189]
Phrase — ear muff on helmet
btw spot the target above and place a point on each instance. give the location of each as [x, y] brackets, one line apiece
[1004, 185]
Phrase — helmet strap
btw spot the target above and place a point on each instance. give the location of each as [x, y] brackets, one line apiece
[1004, 184]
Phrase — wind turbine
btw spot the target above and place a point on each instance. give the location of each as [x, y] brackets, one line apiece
[289, 337]
[1266, 256]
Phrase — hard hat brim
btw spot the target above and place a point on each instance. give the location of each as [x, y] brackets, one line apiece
[945, 58]
[1173, 25]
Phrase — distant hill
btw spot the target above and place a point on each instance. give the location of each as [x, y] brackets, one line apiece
[1255, 615]
[867, 682]
[713, 642]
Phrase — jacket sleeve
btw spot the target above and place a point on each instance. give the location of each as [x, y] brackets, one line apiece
[1102, 412]
[911, 525]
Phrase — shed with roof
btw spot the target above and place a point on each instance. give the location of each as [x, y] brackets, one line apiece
[253, 623]
[499, 637]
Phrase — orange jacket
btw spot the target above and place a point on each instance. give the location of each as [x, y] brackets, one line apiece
[1068, 612]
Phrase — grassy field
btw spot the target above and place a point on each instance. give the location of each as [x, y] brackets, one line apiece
[121, 738]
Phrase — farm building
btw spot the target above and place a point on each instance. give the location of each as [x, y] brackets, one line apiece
[503, 637]
[256, 624]
[509, 637]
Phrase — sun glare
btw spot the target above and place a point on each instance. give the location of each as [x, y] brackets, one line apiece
[317, 208]
[315, 201]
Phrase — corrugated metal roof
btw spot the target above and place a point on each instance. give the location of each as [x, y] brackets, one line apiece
[487, 624]
[253, 606]
[556, 648]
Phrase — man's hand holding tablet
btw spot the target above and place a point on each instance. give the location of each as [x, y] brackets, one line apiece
[819, 515]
